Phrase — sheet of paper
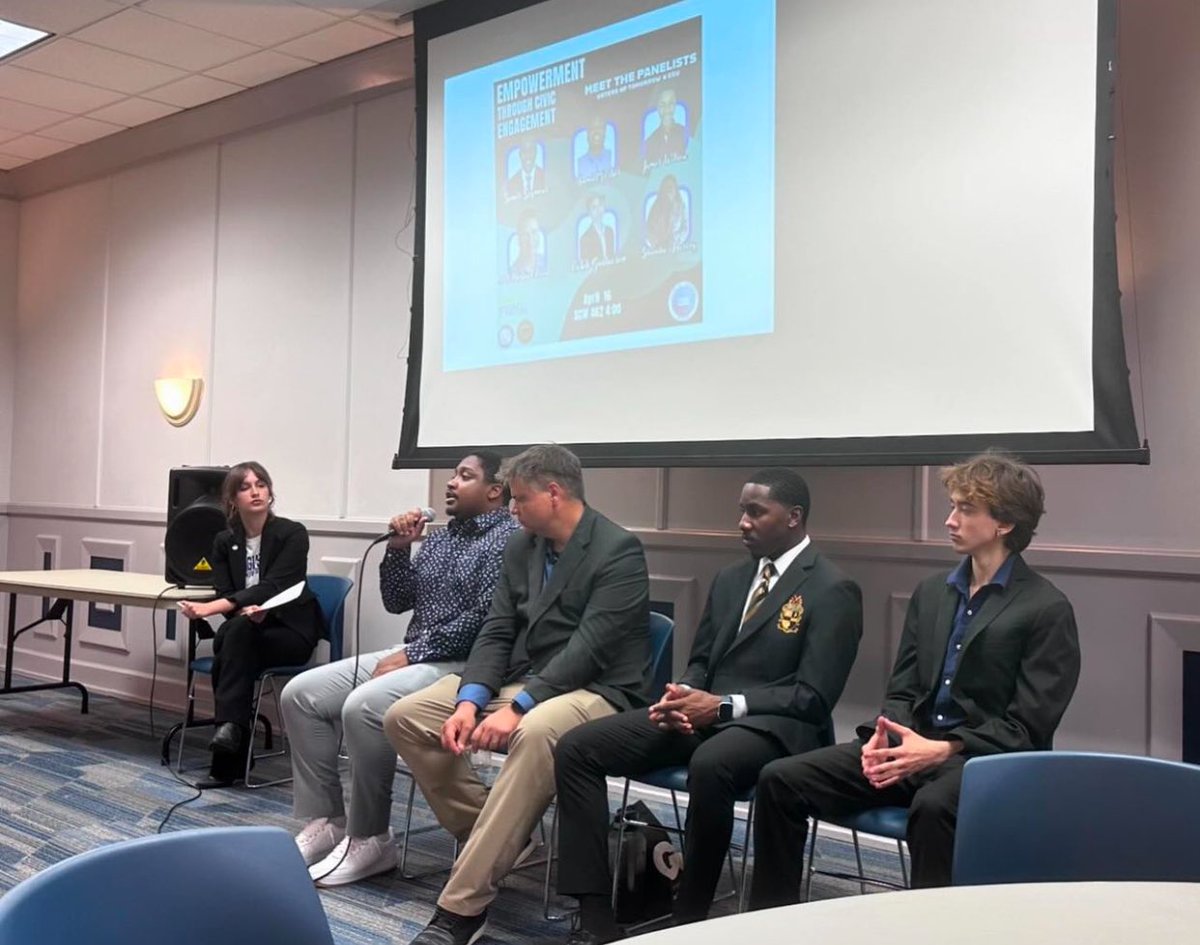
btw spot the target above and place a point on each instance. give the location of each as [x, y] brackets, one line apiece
[283, 597]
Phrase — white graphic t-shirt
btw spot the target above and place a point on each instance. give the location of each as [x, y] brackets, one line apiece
[253, 545]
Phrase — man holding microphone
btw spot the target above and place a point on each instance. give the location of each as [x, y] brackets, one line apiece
[448, 586]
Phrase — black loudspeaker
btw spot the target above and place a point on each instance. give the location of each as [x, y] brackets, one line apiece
[194, 517]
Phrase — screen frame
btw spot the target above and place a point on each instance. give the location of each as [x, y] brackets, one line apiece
[1114, 438]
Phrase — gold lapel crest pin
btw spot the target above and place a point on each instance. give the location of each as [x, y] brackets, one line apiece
[791, 613]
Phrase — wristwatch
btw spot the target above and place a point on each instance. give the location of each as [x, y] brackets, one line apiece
[725, 710]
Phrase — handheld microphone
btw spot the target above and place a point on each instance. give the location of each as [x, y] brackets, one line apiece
[427, 514]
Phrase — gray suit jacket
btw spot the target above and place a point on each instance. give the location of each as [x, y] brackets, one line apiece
[587, 629]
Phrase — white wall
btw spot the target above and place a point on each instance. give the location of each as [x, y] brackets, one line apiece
[9, 215]
[274, 267]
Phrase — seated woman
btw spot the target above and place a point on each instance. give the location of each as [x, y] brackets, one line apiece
[259, 555]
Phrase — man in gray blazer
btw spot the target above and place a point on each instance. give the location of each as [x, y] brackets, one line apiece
[566, 641]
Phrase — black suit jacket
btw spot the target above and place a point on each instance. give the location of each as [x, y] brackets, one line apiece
[515, 186]
[587, 629]
[283, 561]
[791, 674]
[1016, 673]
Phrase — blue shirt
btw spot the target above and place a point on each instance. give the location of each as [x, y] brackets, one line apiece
[946, 712]
[447, 585]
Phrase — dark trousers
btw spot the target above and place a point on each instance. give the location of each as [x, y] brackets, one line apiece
[829, 783]
[721, 764]
[243, 649]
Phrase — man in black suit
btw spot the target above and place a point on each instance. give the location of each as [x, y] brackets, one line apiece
[566, 640]
[771, 656]
[530, 177]
[987, 663]
[599, 241]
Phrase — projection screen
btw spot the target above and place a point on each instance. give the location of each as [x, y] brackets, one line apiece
[806, 231]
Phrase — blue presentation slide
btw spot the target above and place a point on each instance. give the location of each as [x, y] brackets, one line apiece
[614, 190]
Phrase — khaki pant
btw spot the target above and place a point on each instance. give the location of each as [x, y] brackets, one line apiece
[493, 825]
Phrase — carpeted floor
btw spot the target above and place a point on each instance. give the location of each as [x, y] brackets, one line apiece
[71, 782]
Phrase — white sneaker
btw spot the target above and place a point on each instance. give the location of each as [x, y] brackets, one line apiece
[318, 838]
[355, 858]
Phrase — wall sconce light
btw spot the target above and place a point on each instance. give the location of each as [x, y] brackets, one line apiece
[178, 398]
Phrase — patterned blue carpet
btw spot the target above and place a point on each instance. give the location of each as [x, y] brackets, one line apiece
[72, 782]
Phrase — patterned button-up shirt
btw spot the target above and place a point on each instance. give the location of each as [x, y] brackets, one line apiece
[448, 585]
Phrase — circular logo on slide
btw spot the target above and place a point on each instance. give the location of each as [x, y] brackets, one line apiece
[506, 336]
[683, 301]
[525, 331]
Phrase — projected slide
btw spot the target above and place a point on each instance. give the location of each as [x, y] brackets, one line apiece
[581, 214]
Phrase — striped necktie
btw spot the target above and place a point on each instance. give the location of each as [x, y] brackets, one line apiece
[760, 592]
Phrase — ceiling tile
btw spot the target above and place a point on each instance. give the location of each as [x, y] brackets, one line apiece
[7, 135]
[34, 147]
[192, 91]
[81, 62]
[9, 161]
[133, 111]
[258, 23]
[22, 117]
[154, 37]
[80, 130]
[34, 88]
[346, 9]
[339, 40]
[385, 21]
[259, 68]
[57, 16]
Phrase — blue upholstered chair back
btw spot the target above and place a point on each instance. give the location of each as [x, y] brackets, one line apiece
[662, 632]
[1048, 816]
[224, 885]
[330, 591]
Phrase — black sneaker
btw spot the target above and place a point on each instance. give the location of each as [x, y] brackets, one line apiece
[446, 928]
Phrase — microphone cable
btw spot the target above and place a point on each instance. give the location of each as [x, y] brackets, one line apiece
[153, 680]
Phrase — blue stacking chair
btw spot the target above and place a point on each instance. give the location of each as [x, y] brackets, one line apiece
[1048, 816]
[330, 591]
[889, 822]
[232, 885]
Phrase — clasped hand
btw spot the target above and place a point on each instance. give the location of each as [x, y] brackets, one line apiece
[884, 765]
[461, 733]
[684, 710]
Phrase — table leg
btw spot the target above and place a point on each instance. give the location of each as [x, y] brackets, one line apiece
[62, 609]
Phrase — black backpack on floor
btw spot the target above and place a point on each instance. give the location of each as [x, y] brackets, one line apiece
[649, 867]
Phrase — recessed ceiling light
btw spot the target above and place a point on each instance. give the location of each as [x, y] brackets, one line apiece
[14, 38]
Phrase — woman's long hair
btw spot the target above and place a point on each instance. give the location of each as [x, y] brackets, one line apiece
[233, 484]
